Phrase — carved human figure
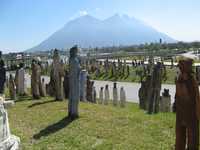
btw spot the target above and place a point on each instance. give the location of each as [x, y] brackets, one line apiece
[89, 89]
[115, 94]
[42, 91]
[144, 93]
[94, 93]
[141, 95]
[165, 101]
[58, 74]
[154, 95]
[62, 88]
[74, 85]
[123, 70]
[106, 66]
[21, 80]
[107, 95]
[12, 88]
[43, 88]
[2, 76]
[133, 63]
[128, 71]
[101, 96]
[83, 85]
[35, 80]
[172, 62]
[147, 92]
[50, 88]
[187, 107]
[97, 71]
[114, 69]
[16, 79]
[119, 67]
[122, 97]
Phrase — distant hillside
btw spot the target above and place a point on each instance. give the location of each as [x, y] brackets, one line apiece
[87, 31]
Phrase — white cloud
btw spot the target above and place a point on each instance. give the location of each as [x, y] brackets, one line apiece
[79, 14]
[83, 13]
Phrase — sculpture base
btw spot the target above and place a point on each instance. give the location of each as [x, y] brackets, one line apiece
[73, 116]
[12, 143]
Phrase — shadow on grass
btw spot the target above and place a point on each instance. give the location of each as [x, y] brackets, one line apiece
[110, 77]
[53, 128]
[41, 103]
[126, 77]
[23, 98]
[104, 75]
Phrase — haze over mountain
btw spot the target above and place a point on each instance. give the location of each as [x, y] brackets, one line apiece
[87, 31]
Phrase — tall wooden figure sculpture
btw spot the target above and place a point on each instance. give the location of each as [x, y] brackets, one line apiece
[74, 90]
[187, 107]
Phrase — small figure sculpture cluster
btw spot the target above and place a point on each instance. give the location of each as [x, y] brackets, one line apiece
[118, 99]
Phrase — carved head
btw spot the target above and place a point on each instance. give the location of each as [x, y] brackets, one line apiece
[73, 51]
[55, 54]
[2, 64]
[185, 65]
[11, 77]
[115, 85]
[158, 65]
[166, 92]
[33, 61]
[21, 65]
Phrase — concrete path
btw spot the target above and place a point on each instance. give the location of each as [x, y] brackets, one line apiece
[131, 89]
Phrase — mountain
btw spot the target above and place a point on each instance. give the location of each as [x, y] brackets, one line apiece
[87, 31]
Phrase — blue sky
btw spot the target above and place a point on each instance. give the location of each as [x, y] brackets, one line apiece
[25, 23]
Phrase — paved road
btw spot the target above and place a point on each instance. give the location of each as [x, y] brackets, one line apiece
[130, 88]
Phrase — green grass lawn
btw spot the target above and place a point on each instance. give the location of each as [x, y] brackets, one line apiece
[42, 125]
[171, 73]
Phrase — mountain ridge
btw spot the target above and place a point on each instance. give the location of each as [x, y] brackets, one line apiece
[88, 31]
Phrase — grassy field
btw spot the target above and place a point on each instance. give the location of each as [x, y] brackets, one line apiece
[42, 125]
[171, 73]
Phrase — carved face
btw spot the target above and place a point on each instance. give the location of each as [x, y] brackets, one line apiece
[185, 66]
[56, 55]
[1, 63]
[73, 51]
[11, 77]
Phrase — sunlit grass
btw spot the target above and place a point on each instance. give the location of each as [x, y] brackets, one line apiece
[42, 125]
